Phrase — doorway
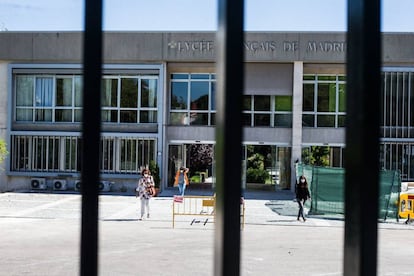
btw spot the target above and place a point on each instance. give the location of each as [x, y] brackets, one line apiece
[197, 157]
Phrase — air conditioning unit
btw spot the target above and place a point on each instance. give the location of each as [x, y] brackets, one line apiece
[59, 185]
[77, 185]
[38, 183]
[104, 186]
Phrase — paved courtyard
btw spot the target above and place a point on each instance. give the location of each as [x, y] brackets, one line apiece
[40, 235]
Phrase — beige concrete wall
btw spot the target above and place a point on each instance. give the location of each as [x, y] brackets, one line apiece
[133, 47]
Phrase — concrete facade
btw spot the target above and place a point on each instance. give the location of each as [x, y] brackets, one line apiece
[275, 65]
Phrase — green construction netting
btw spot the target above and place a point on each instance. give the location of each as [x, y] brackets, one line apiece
[326, 185]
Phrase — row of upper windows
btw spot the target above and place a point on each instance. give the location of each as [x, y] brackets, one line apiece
[127, 99]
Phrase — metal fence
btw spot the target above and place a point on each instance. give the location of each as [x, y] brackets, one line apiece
[327, 187]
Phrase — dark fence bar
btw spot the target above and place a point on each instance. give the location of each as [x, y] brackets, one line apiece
[362, 137]
[230, 75]
[91, 128]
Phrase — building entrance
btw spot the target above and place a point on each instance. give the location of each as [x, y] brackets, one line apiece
[262, 164]
[197, 157]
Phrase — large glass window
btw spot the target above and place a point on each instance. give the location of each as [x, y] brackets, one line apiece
[397, 102]
[59, 98]
[323, 101]
[267, 111]
[192, 99]
[323, 156]
[119, 155]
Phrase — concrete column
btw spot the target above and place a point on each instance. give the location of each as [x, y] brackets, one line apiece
[3, 121]
[296, 118]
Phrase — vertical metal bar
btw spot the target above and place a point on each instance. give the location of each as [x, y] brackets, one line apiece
[230, 80]
[91, 128]
[362, 137]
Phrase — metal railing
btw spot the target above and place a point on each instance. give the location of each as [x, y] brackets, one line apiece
[362, 134]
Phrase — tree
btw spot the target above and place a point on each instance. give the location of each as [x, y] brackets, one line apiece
[3, 150]
[317, 156]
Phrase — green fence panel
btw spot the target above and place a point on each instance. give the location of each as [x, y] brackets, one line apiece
[327, 184]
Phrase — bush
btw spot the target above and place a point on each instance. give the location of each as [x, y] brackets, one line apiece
[256, 175]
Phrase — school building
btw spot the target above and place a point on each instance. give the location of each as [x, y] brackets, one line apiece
[158, 105]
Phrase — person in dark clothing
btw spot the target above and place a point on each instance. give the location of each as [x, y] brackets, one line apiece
[302, 194]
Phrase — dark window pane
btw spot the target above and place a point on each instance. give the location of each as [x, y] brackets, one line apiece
[308, 120]
[262, 103]
[109, 92]
[148, 117]
[62, 115]
[128, 116]
[246, 119]
[129, 93]
[283, 120]
[149, 93]
[64, 92]
[199, 95]
[247, 102]
[326, 121]
[308, 97]
[199, 118]
[179, 94]
[213, 96]
[262, 120]
[341, 120]
[326, 97]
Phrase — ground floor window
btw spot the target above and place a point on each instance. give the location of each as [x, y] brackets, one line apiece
[398, 156]
[197, 157]
[261, 164]
[45, 153]
[268, 164]
[325, 156]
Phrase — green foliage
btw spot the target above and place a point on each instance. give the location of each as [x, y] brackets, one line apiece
[3, 150]
[256, 172]
[256, 175]
[255, 161]
[316, 156]
[155, 172]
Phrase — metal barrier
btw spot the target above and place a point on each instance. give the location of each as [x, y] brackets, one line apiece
[199, 207]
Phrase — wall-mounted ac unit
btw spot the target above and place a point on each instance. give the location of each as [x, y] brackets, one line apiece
[77, 185]
[38, 183]
[59, 185]
[104, 186]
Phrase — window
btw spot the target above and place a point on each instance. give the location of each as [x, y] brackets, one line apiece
[192, 99]
[397, 103]
[58, 98]
[129, 99]
[267, 111]
[323, 101]
[120, 155]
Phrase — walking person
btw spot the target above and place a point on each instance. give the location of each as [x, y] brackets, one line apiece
[181, 179]
[145, 190]
[302, 194]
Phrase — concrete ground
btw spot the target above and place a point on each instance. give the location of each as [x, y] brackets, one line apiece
[40, 235]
